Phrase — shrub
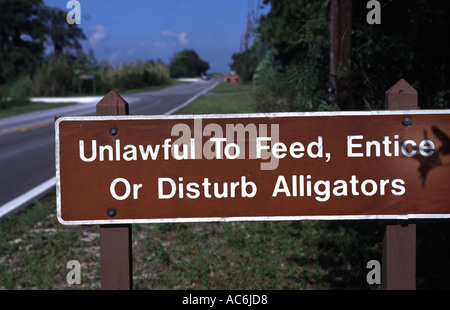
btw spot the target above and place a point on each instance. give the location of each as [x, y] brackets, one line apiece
[16, 93]
[132, 75]
[55, 77]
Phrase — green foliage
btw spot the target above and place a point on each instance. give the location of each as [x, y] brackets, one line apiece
[22, 37]
[35, 249]
[132, 75]
[57, 75]
[407, 44]
[25, 27]
[245, 63]
[54, 77]
[15, 94]
[187, 63]
[433, 255]
[272, 92]
[292, 76]
[62, 35]
[341, 250]
[442, 99]
[25, 70]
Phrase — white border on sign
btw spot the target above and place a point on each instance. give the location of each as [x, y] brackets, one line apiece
[256, 219]
[235, 116]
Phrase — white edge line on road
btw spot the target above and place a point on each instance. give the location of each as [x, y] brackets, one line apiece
[39, 190]
[27, 197]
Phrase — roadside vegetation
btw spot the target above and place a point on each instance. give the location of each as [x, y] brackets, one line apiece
[224, 98]
[41, 55]
[287, 55]
[239, 255]
[29, 107]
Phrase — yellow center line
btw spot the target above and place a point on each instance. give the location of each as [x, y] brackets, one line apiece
[27, 128]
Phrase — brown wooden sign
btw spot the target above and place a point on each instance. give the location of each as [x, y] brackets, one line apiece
[232, 79]
[281, 166]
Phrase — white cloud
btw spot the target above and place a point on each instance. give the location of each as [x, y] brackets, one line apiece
[98, 33]
[181, 37]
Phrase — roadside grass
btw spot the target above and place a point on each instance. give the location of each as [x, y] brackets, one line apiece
[29, 107]
[38, 106]
[35, 249]
[224, 98]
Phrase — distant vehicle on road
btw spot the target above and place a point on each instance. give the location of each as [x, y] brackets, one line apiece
[204, 76]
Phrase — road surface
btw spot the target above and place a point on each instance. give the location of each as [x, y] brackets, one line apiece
[27, 141]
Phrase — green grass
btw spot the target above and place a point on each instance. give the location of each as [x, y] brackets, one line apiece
[30, 107]
[238, 255]
[35, 249]
[225, 98]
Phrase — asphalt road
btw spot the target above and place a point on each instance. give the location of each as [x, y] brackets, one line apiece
[27, 141]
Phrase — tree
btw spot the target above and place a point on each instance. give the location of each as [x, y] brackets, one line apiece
[187, 63]
[340, 51]
[408, 43]
[61, 34]
[245, 63]
[295, 36]
[22, 37]
[25, 27]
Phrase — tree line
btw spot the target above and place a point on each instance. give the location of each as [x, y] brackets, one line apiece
[41, 55]
[289, 59]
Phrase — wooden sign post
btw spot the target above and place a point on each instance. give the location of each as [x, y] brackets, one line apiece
[86, 77]
[115, 240]
[399, 243]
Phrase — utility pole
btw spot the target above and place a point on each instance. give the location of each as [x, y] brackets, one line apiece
[340, 50]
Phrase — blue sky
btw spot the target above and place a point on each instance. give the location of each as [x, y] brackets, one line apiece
[121, 31]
